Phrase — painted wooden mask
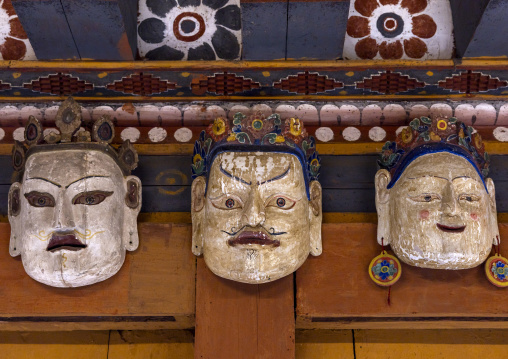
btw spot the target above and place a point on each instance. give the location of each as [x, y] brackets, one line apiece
[256, 201]
[73, 205]
[436, 207]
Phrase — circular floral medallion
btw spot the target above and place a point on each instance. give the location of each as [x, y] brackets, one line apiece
[385, 269]
[14, 44]
[496, 270]
[189, 29]
[395, 29]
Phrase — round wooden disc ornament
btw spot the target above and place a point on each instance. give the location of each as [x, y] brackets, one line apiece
[496, 270]
[385, 269]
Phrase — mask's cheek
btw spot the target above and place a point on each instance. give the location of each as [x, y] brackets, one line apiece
[474, 216]
[423, 214]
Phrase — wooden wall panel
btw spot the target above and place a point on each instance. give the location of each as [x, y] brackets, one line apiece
[335, 291]
[238, 320]
[324, 344]
[168, 344]
[154, 289]
[75, 345]
[435, 344]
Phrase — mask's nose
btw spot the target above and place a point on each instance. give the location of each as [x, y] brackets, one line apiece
[63, 217]
[253, 213]
[449, 202]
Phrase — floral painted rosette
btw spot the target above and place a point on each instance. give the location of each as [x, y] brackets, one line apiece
[385, 269]
[496, 270]
[256, 133]
[424, 136]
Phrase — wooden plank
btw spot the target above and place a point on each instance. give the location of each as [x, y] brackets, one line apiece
[435, 344]
[154, 289]
[76, 345]
[103, 30]
[328, 26]
[488, 40]
[238, 320]
[264, 26]
[171, 344]
[466, 15]
[324, 344]
[47, 28]
[335, 291]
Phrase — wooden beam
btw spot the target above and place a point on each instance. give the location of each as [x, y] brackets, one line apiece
[481, 24]
[334, 291]
[466, 15]
[103, 29]
[153, 290]
[46, 26]
[238, 320]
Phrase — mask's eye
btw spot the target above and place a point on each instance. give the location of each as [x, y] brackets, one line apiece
[227, 201]
[281, 202]
[426, 197]
[469, 197]
[91, 198]
[40, 199]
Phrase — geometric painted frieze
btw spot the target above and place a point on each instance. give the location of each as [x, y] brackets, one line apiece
[14, 44]
[471, 82]
[189, 29]
[307, 83]
[399, 29]
[222, 84]
[59, 84]
[328, 81]
[141, 84]
[389, 83]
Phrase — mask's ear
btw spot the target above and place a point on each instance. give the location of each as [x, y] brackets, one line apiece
[494, 228]
[198, 214]
[382, 180]
[132, 208]
[316, 218]
[14, 208]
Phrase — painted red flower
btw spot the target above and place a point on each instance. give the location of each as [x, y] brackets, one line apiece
[13, 39]
[391, 28]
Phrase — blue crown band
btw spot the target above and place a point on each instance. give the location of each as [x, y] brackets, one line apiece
[429, 148]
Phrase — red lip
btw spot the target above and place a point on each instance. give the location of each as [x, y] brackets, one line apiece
[450, 229]
[251, 237]
[64, 241]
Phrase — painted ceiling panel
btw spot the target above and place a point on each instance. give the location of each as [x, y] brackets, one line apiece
[14, 43]
[189, 29]
[399, 29]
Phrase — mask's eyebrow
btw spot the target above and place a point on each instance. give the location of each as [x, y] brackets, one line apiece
[234, 177]
[46, 180]
[278, 177]
[81, 179]
[465, 177]
[412, 178]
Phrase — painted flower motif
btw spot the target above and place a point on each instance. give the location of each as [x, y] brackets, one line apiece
[294, 130]
[189, 29]
[498, 270]
[384, 270]
[392, 29]
[314, 166]
[14, 44]
[406, 135]
[201, 149]
[218, 129]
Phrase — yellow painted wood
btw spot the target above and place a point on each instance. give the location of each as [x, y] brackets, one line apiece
[324, 344]
[168, 344]
[54, 345]
[431, 344]
[227, 65]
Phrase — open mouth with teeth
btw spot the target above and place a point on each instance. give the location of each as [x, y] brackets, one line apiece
[253, 237]
[451, 228]
[65, 241]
